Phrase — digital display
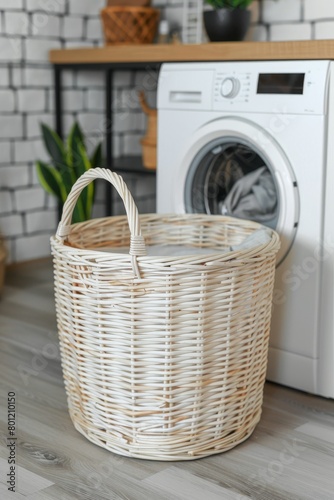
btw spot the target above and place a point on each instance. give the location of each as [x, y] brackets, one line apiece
[281, 83]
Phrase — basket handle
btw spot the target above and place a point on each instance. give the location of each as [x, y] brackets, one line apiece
[137, 242]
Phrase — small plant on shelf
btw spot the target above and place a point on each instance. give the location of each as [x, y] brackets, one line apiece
[229, 4]
[228, 20]
[68, 161]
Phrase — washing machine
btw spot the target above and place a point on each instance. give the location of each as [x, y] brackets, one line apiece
[231, 132]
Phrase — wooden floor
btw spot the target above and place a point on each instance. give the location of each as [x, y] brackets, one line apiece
[290, 455]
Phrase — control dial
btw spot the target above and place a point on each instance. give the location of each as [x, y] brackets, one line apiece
[230, 87]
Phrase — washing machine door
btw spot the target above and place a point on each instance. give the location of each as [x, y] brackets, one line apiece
[234, 167]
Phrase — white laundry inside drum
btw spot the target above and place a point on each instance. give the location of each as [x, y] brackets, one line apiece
[230, 178]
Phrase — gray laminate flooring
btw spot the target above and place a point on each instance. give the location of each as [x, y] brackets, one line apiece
[289, 456]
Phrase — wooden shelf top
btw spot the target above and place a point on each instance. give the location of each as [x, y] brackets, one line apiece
[235, 51]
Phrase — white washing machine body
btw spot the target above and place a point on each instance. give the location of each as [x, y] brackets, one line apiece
[278, 114]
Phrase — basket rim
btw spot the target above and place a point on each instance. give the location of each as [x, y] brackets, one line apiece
[229, 257]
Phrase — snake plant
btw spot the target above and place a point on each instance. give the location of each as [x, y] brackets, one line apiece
[68, 161]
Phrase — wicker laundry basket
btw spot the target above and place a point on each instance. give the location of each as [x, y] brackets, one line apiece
[164, 357]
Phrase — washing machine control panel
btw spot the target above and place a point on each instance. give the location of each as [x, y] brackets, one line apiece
[278, 87]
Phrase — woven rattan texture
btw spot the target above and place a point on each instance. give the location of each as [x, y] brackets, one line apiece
[170, 366]
[129, 24]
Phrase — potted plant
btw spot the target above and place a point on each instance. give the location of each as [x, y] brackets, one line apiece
[68, 161]
[228, 21]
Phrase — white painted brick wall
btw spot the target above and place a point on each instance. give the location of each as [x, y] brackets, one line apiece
[38, 77]
[13, 176]
[257, 33]
[73, 27]
[5, 202]
[76, 44]
[11, 126]
[5, 152]
[89, 79]
[128, 99]
[7, 101]
[162, 3]
[24, 151]
[45, 25]
[31, 100]
[145, 188]
[86, 7]
[99, 210]
[12, 4]
[92, 122]
[40, 151]
[51, 203]
[255, 11]
[146, 205]
[73, 100]
[11, 225]
[94, 29]
[29, 199]
[147, 79]
[38, 50]
[10, 48]
[9, 243]
[174, 15]
[131, 144]
[126, 122]
[32, 247]
[17, 77]
[324, 30]
[117, 146]
[296, 31]
[34, 121]
[4, 77]
[52, 6]
[318, 9]
[282, 10]
[68, 78]
[41, 221]
[68, 120]
[51, 101]
[16, 23]
[122, 79]
[95, 99]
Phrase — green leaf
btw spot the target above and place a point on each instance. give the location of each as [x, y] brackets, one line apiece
[51, 180]
[74, 139]
[87, 195]
[54, 146]
[78, 214]
[97, 158]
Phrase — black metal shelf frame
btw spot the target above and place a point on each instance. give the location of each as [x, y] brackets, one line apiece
[108, 69]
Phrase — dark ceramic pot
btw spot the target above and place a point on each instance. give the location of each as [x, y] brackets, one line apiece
[226, 25]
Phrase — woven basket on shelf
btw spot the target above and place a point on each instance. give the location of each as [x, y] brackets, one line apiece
[164, 357]
[129, 24]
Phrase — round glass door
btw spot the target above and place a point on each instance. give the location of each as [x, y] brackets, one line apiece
[228, 177]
